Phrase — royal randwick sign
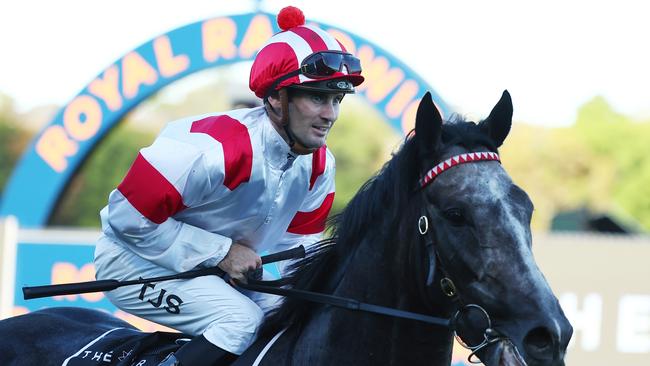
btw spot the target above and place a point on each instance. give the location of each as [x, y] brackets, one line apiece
[60, 148]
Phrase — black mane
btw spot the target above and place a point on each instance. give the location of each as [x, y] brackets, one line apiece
[378, 206]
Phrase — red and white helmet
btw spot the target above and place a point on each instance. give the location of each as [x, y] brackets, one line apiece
[303, 56]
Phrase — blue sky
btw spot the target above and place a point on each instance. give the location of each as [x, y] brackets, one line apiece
[552, 56]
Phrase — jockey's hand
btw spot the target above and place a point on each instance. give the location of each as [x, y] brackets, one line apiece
[240, 260]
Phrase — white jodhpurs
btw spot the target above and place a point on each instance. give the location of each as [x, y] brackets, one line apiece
[204, 305]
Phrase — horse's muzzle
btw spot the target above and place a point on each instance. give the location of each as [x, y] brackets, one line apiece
[546, 346]
[539, 346]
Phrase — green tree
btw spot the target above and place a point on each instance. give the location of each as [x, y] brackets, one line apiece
[13, 139]
[556, 169]
[601, 163]
[623, 142]
[361, 142]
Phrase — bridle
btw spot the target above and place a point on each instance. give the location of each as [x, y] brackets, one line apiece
[490, 336]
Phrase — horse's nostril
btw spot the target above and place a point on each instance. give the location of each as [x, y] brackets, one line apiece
[539, 343]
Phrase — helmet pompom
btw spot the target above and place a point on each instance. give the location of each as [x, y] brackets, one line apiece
[290, 17]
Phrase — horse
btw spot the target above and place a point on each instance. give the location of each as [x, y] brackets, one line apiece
[440, 231]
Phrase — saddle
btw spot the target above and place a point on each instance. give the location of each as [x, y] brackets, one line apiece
[130, 347]
[126, 347]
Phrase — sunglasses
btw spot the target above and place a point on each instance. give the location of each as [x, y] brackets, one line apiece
[327, 63]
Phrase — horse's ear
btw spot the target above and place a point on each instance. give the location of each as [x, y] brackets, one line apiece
[498, 123]
[428, 125]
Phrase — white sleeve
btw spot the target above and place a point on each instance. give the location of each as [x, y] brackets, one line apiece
[165, 178]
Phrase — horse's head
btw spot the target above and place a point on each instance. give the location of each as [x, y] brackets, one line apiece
[479, 239]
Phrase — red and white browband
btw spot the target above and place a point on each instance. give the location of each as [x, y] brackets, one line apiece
[456, 160]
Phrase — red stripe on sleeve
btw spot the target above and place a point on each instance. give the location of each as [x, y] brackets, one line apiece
[312, 222]
[319, 158]
[312, 38]
[236, 143]
[149, 192]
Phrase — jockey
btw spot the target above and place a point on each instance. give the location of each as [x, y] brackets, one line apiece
[217, 189]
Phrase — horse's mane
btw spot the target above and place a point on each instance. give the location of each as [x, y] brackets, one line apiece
[382, 199]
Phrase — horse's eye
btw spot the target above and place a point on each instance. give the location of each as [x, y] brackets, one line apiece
[455, 216]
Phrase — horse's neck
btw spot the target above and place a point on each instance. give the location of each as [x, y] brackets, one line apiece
[353, 337]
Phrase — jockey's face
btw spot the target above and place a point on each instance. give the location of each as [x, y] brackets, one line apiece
[311, 116]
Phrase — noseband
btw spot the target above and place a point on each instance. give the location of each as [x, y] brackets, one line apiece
[490, 336]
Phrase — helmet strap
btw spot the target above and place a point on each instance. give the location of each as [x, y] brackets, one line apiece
[283, 120]
[284, 103]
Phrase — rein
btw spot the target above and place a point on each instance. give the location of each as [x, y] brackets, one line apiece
[341, 302]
